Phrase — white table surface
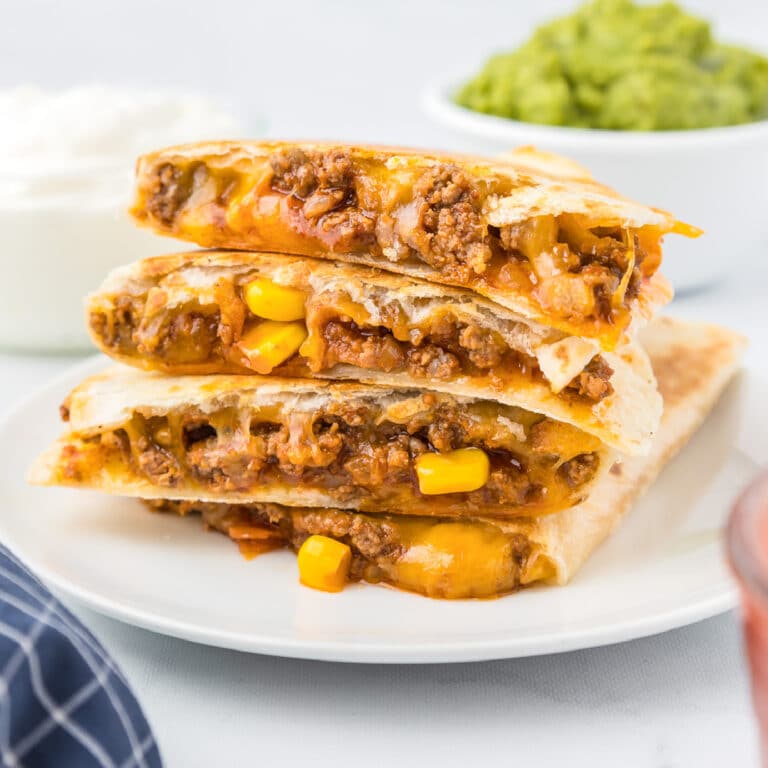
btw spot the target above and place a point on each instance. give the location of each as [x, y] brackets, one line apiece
[351, 69]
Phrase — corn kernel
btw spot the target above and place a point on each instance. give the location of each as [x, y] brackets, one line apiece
[324, 563]
[274, 302]
[270, 343]
[466, 469]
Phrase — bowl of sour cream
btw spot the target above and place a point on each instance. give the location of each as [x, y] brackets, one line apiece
[66, 171]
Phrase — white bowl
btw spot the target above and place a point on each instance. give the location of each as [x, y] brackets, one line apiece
[66, 173]
[714, 178]
[53, 257]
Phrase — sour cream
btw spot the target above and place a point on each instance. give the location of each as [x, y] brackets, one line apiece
[66, 170]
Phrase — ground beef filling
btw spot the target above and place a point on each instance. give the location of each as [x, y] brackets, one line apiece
[445, 350]
[351, 453]
[455, 350]
[442, 224]
[375, 541]
[450, 234]
[594, 382]
[323, 198]
[171, 188]
[116, 328]
[436, 216]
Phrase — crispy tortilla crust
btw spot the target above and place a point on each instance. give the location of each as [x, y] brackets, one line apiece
[693, 363]
[184, 314]
[563, 251]
[292, 442]
[135, 314]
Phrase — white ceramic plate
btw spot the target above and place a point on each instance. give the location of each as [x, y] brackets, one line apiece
[663, 569]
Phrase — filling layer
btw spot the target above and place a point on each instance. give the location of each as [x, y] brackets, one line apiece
[437, 558]
[359, 455]
[216, 335]
[312, 200]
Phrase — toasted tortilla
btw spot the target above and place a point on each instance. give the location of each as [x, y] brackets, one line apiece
[433, 216]
[133, 318]
[483, 557]
[693, 362]
[313, 443]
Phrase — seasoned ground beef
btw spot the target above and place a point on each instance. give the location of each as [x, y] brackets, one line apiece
[442, 223]
[347, 229]
[485, 349]
[172, 188]
[383, 463]
[374, 541]
[579, 470]
[603, 301]
[372, 349]
[305, 442]
[116, 328]
[449, 233]
[118, 441]
[303, 173]
[190, 337]
[367, 459]
[445, 434]
[395, 209]
[594, 382]
[224, 469]
[207, 335]
[323, 183]
[448, 350]
[158, 464]
[432, 362]
[379, 544]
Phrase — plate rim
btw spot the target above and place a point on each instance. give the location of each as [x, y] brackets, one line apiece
[350, 651]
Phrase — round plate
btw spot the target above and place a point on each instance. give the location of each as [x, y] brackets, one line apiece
[663, 568]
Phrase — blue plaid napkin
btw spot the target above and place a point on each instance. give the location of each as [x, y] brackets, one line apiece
[63, 700]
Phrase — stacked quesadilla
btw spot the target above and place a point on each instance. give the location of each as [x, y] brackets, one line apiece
[414, 368]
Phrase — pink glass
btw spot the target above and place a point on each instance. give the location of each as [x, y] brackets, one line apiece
[747, 539]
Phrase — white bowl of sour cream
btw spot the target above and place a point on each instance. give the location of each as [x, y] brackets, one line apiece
[66, 170]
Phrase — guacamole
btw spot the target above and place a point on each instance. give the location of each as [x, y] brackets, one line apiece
[617, 65]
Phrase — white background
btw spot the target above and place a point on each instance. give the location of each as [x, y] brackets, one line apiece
[354, 70]
[333, 69]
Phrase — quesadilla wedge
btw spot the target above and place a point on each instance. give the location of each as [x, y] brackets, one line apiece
[561, 250]
[235, 312]
[451, 558]
[314, 443]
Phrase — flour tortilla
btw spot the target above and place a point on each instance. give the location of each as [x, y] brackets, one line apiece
[540, 185]
[693, 363]
[626, 419]
[108, 401]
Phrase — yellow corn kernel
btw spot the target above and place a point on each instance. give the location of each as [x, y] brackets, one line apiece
[274, 302]
[324, 563]
[270, 343]
[466, 469]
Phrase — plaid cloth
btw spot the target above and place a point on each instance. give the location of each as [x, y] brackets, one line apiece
[63, 700]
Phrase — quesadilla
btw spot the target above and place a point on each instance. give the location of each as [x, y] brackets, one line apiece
[314, 443]
[235, 312]
[452, 558]
[558, 249]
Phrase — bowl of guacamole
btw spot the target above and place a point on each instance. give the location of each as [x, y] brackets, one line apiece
[617, 65]
[651, 101]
